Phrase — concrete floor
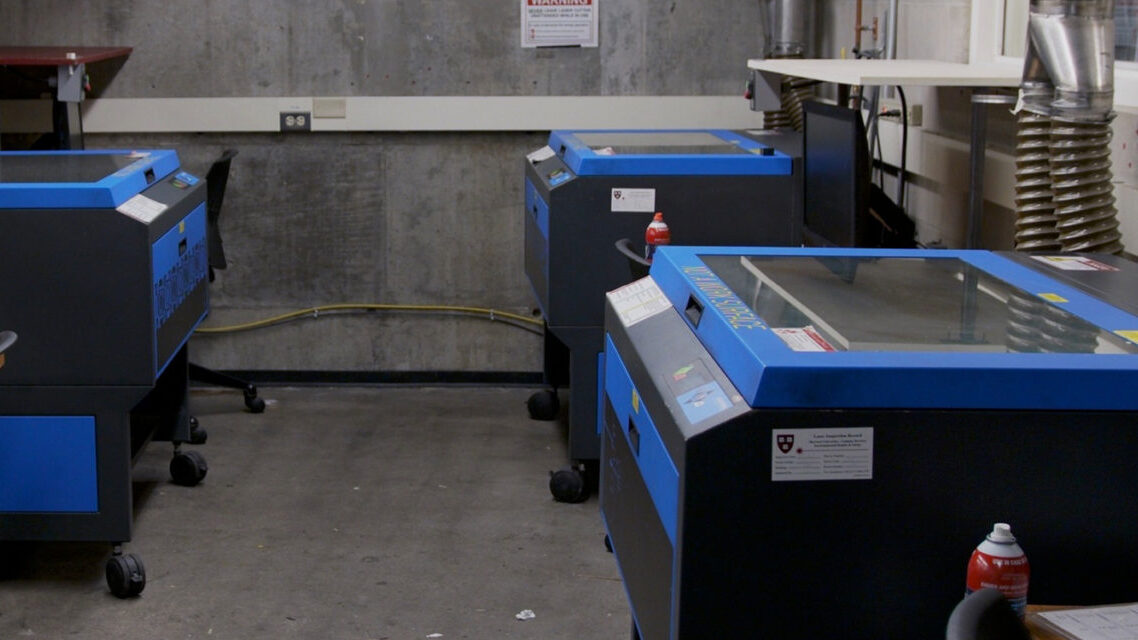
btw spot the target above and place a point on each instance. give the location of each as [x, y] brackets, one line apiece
[355, 513]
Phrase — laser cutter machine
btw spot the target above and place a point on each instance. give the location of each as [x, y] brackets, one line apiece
[103, 261]
[586, 190]
[809, 443]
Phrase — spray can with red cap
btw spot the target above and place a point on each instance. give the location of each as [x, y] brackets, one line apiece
[656, 234]
[999, 563]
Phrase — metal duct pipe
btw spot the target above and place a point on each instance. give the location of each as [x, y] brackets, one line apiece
[1069, 80]
[891, 32]
[1035, 89]
[1082, 182]
[788, 29]
[1074, 40]
[1035, 201]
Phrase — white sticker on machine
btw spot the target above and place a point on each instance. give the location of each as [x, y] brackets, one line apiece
[799, 455]
[638, 301]
[541, 155]
[634, 200]
[142, 208]
[1074, 263]
[803, 339]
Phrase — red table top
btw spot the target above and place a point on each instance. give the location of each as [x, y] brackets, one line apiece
[55, 56]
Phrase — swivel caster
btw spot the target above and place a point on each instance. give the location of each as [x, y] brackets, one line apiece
[568, 485]
[126, 576]
[187, 468]
[198, 434]
[252, 402]
[543, 405]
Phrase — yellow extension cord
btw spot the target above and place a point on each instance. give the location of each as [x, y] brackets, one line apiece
[493, 314]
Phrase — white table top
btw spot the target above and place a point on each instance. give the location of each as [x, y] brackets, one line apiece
[933, 73]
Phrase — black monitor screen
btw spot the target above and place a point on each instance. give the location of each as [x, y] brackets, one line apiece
[836, 167]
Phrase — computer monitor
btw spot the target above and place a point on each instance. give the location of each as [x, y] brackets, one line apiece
[843, 207]
[836, 172]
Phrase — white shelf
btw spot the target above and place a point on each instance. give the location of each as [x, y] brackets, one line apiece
[929, 73]
[392, 113]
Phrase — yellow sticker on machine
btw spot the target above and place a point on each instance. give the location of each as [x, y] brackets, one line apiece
[635, 401]
[1129, 334]
[1052, 297]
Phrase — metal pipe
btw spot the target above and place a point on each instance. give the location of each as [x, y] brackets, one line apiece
[1074, 40]
[1035, 201]
[1082, 182]
[1064, 193]
[1035, 89]
[891, 32]
[788, 27]
[980, 104]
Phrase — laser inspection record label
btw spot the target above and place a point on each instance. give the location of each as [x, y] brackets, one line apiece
[634, 200]
[638, 301]
[821, 454]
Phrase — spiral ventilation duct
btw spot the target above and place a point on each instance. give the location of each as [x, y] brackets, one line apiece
[1064, 195]
[1034, 326]
[788, 31]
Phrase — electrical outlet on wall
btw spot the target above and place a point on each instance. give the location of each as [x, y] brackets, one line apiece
[296, 121]
[916, 113]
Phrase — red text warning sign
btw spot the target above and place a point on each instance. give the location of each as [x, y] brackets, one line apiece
[559, 23]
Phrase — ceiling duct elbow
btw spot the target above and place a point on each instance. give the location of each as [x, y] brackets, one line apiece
[1073, 43]
[788, 27]
[1036, 92]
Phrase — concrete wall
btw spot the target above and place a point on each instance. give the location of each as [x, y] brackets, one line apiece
[407, 218]
[436, 218]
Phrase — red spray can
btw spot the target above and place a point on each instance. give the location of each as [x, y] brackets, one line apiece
[656, 234]
[999, 563]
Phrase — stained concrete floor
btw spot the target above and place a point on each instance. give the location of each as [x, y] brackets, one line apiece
[354, 513]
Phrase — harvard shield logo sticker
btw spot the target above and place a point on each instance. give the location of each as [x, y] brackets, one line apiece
[785, 442]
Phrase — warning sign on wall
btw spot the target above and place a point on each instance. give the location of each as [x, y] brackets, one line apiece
[559, 23]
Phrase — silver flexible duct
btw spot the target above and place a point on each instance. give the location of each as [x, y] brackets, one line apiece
[1034, 326]
[1036, 228]
[788, 27]
[1068, 80]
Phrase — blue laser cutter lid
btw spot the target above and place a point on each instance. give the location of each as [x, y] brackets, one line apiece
[698, 152]
[79, 179]
[850, 328]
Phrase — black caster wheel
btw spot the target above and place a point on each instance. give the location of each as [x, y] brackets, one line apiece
[125, 575]
[608, 543]
[543, 405]
[187, 468]
[198, 434]
[568, 485]
[252, 402]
